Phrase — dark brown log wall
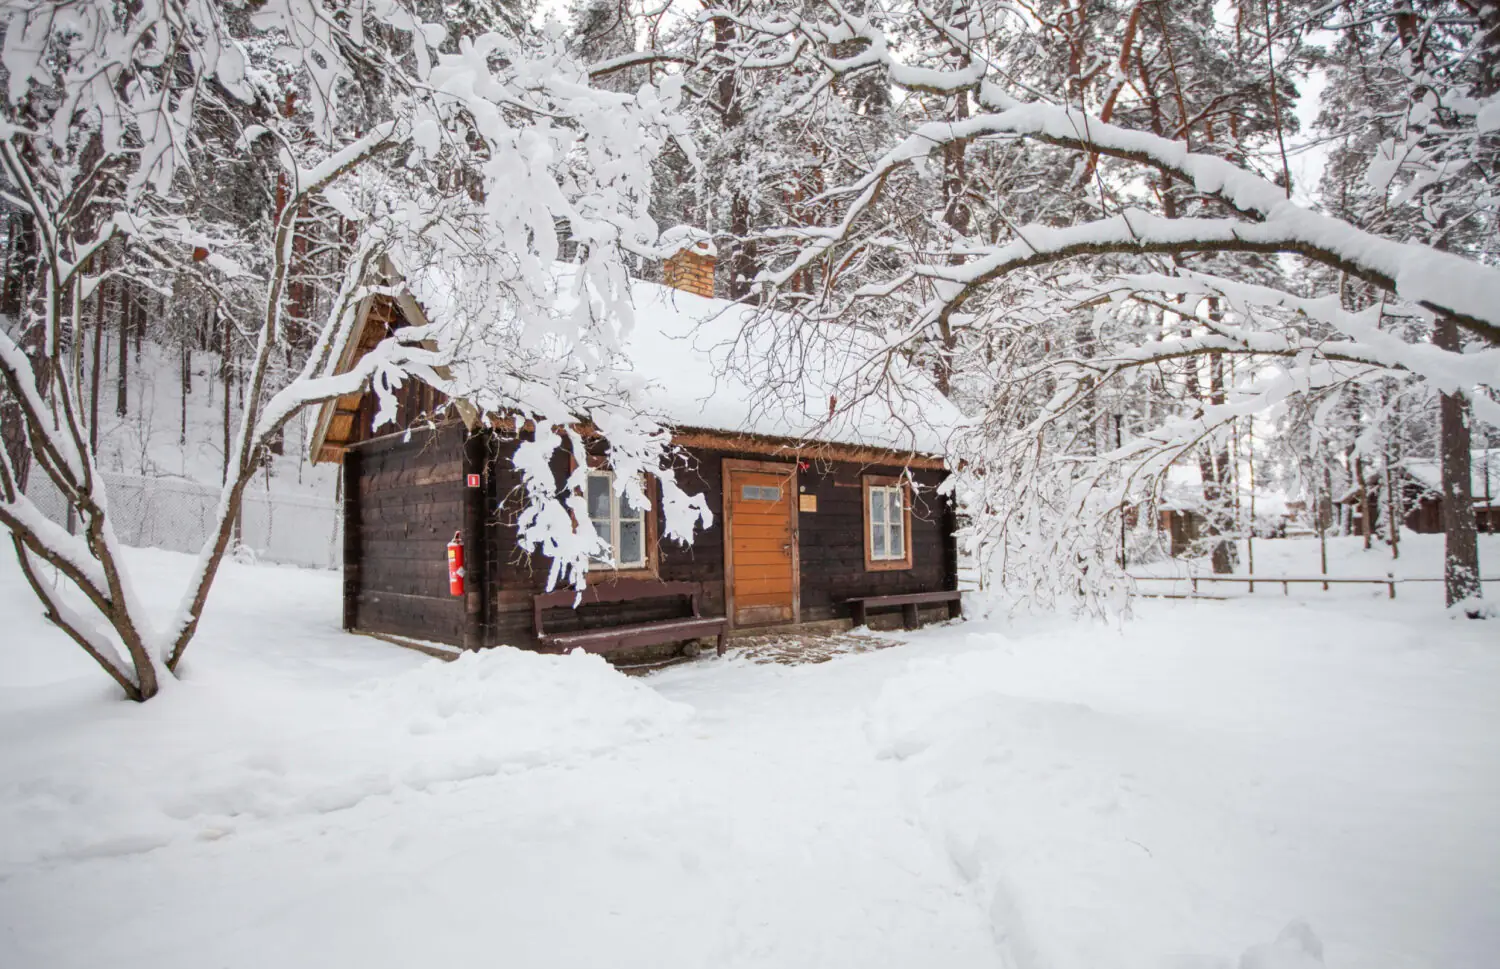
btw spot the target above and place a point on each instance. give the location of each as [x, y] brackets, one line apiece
[831, 546]
[832, 540]
[417, 404]
[520, 576]
[404, 499]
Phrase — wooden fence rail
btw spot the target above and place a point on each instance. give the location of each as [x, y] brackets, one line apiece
[1287, 581]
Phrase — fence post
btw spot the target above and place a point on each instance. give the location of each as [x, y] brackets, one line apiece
[1391, 583]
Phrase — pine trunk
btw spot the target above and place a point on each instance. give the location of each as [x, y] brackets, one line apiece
[744, 262]
[96, 364]
[139, 329]
[1461, 538]
[228, 374]
[122, 382]
[1394, 512]
[1366, 511]
[1214, 466]
[185, 371]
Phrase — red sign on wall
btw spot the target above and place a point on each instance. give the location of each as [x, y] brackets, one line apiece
[473, 481]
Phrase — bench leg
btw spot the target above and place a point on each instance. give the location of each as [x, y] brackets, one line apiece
[955, 608]
[909, 615]
[722, 634]
[857, 610]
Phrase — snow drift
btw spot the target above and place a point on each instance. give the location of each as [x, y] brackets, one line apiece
[518, 707]
[238, 754]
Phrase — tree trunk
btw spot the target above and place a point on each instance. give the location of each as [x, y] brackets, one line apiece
[744, 261]
[139, 327]
[1460, 536]
[1393, 509]
[184, 373]
[1214, 468]
[96, 365]
[1366, 512]
[228, 374]
[8, 304]
[1324, 512]
[1489, 49]
[122, 382]
[958, 216]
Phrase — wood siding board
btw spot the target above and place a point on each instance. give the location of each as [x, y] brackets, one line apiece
[407, 500]
[834, 541]
[349, 477]
[404, 497]
[474, 447]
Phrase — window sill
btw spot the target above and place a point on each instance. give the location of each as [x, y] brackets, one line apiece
[887, 565]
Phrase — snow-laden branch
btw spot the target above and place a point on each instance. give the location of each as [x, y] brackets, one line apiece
[1444, 283]
[462, 170]
[1359, 336]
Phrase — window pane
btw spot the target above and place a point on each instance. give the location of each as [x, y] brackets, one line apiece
[877, 541]
[877, 504]
[632, 544]
[598, 500]
[601, 528]
[898, 537]
[895, 517]
[628, 513]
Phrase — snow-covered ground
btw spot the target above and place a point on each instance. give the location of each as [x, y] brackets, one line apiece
[1030, 793]
[156, 439]
[163, 462]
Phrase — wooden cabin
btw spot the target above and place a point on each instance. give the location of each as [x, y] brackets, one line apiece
[1421, 481]
[807, 531]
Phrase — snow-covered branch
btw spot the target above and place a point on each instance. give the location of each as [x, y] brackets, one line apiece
[457, 172]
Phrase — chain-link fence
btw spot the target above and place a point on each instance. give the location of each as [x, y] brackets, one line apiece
[177, 514]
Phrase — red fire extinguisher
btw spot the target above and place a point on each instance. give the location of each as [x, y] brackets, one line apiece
[456, 564]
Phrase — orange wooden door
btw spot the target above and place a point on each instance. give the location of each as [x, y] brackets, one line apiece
[762, 555]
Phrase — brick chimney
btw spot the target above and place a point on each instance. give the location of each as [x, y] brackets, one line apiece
[691, 267]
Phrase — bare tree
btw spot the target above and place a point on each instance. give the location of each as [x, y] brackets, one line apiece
[455, 165]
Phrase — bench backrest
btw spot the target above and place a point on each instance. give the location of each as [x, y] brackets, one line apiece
[621, 590]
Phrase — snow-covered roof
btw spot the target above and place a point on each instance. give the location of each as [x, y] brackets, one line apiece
[1484, 467]
[718, 367]
[714, 365]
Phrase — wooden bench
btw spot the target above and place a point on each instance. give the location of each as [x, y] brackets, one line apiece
[908, 603]
[609, 638]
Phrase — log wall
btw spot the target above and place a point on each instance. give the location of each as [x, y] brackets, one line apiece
[832, 540]
[405, 497]
[403, 500]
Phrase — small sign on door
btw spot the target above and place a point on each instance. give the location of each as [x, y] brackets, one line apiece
[473, 481]
[807, 502]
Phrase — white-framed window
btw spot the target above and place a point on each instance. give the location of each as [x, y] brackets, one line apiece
[887, 519]
[615, 521]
